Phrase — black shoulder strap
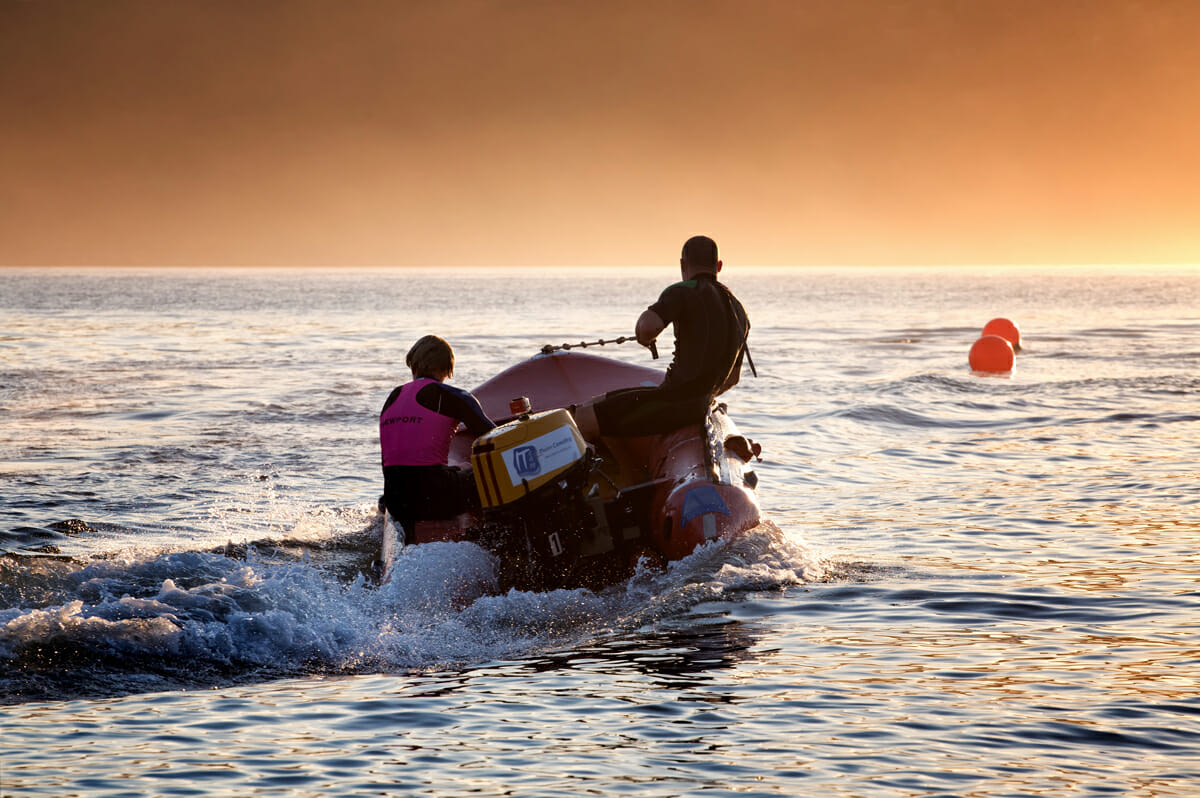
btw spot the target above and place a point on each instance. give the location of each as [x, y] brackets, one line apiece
[749, 360]
[745, 333]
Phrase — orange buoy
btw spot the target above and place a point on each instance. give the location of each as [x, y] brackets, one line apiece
[991, 353]
[1006, 330]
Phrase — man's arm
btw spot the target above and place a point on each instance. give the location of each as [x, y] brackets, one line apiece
[648, 326]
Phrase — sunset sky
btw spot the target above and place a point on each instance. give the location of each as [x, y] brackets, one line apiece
[564, 132]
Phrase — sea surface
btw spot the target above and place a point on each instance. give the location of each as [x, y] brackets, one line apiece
[966, 585]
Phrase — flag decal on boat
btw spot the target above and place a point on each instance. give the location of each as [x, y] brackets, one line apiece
[700, 500]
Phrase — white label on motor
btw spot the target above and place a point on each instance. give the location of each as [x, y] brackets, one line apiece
[542, 455]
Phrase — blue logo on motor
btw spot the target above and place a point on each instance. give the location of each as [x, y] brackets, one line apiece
[525, 461]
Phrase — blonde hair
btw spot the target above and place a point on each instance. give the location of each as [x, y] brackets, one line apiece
[431, 356]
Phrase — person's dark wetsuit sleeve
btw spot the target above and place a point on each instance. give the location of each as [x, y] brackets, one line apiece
[667, 306]
[455, 403]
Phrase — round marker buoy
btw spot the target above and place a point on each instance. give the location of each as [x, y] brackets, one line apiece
[991, 353]
[1006, 330]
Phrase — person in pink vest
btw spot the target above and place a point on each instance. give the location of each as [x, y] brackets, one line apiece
[416, 425]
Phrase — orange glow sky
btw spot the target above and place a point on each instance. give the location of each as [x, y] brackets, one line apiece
[508, 132]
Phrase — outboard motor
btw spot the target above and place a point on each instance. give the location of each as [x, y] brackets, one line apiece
[531, 474]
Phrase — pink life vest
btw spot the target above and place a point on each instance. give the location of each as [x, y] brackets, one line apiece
[413, 435]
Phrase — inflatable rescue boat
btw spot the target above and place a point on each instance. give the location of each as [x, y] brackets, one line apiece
[558, 513]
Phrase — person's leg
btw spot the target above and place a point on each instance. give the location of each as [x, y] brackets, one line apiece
[633, 412]
[467, 492]
[447, 491]
[399, 494]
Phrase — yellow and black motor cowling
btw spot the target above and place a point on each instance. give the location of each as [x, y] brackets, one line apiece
[532, 474]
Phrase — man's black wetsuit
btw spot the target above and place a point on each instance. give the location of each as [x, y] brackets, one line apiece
[710, 341]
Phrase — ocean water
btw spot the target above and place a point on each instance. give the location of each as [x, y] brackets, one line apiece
[966, 585]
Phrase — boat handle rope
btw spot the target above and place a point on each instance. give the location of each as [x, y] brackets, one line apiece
[548, 348]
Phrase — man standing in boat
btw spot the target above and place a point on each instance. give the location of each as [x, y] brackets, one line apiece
[711, 327]
[416, 426]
